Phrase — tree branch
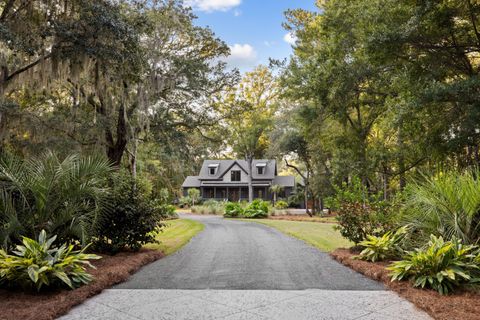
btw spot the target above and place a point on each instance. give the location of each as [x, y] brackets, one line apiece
[27, 67]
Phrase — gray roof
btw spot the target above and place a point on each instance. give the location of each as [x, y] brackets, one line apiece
[225, 165]
[284, 181]
[191, 182]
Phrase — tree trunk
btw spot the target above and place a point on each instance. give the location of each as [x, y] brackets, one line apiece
[250, 183]
[400, 158]
[115, 150]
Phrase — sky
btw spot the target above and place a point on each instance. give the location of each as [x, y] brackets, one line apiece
[252, 28]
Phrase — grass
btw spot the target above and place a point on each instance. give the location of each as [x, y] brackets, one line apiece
[176, 234]
[320, 235]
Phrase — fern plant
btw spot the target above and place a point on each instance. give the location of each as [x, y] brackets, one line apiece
[38, 264]
[384, 247]
[442, 266]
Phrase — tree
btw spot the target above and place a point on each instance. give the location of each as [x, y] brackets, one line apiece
[48, 44]
[194, 195]
[253, 102]
[276, 189]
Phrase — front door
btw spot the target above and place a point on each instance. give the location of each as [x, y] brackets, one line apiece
[234, 195]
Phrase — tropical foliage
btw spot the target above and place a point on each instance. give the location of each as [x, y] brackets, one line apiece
[384, 247]
[257, 209]
[447, 205]
[233, 210]
[442, 265]
[64, 196]
[38, 264]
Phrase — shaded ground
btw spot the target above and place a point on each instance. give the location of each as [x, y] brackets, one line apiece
[244, 255]
[460, 305]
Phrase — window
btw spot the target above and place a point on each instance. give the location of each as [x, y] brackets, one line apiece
[235, 175]
[212, 169]
[261, 168]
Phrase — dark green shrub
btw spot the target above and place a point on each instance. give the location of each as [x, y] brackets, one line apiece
[442, 266]
[357, 220]
[36, 264]
[133, 219]
[233, 210]
[258, 209]
[385, 247]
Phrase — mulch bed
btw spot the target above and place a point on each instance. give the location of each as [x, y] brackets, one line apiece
[50, 305]
[460, 305]
[302, 218]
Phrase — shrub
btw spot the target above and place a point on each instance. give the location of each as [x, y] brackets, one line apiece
[384, 247]
[446, 205]
[38, 264]
[281, 205]
[256, 210]
[133, 220]
[209, 207]
[65, 197]
[184, 202]
[356, 220]
[442, 266]
[233, 210]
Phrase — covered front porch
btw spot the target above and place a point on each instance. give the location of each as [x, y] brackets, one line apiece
[234, 193]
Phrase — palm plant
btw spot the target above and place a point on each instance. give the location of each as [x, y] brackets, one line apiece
[446, 205]
[276, 189]
[62, 196]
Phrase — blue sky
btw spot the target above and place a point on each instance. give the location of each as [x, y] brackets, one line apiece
[252, 28]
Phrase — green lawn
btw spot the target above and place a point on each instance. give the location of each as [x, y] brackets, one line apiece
[177, 233]
[320, 235]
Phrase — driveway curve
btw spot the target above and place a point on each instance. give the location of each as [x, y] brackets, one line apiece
[239, 255]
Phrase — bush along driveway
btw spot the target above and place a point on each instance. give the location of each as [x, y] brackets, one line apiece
[245, 270]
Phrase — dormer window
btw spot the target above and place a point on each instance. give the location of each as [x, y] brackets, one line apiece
[261, 168]
[212, 169]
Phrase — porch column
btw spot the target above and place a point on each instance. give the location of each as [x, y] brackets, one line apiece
[228, 196]
[215, 192]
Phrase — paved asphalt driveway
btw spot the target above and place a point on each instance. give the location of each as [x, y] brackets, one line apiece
[244, 270]
[231, 254]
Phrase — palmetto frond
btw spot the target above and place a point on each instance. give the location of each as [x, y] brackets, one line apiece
[446, 205]
[63, 196]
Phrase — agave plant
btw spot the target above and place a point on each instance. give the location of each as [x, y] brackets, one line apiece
[38, 264]
[63, 196]
[446, 205]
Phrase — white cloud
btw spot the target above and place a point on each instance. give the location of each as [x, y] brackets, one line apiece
[290, 38]
[242, 56]
[237, 12]
[213, 5]
[269, 43]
